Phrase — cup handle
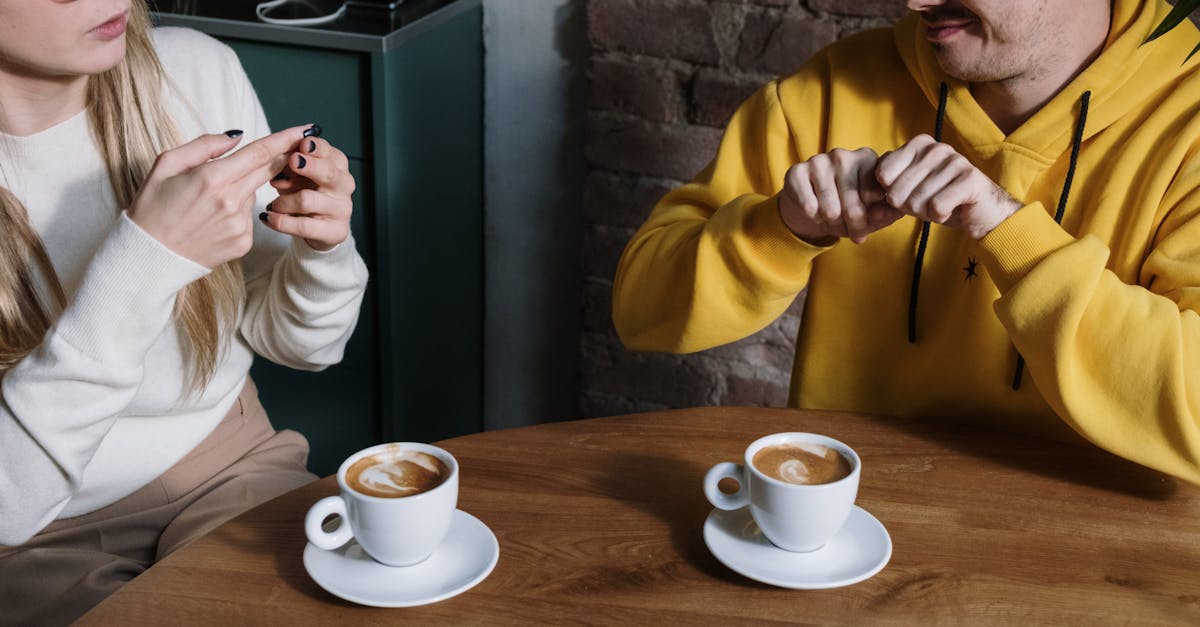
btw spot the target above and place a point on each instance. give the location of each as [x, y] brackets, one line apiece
[719, 499]
[317, 514]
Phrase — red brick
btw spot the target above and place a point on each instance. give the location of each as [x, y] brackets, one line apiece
[597, 305]
[598, 405]
[752, 391]
[678, 380]
[716, 95]
[602, 247]
[668, 29]
[648, 91]
[857, 25]
[773, 346]
[669, 380]
[869, 8]
[621, 200]
[674, 151]
[780, 45]
[772, 3]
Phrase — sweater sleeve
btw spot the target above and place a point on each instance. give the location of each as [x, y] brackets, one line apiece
[1119, 363]
[714, 262]
[301, 314]
[301, 304]
[59, 402]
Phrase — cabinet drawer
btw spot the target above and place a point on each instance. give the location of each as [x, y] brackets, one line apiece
[299, 85]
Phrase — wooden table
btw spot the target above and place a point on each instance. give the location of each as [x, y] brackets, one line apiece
[599, 522]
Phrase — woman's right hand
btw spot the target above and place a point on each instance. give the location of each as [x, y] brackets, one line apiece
[200, 204]
[835, 195]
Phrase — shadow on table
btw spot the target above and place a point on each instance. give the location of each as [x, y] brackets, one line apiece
[1071, 461]
[277, 529]
[670, 490]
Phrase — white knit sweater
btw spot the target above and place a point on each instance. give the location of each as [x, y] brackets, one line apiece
[100, 409]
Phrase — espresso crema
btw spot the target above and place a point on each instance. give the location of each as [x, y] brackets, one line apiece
[803, 463]
[393, 474]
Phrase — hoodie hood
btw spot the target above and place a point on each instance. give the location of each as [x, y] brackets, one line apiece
[1119, 81]
[1123, 76]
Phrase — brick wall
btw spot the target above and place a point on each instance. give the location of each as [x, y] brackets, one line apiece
[664, 77]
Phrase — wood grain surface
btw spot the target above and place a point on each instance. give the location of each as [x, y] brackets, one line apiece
[600, 522]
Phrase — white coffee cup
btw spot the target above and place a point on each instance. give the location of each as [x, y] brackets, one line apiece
[794, 517]
[395, 531]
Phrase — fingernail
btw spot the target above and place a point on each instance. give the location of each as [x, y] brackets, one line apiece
[313, 131]
[263, 216]
[303, 162]
[269, 206]
[282, 176]
[237, 132]
[312, 145]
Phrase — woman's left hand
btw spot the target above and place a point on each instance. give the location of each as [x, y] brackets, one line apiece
[314, 195]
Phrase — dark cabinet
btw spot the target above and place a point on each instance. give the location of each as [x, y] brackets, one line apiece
[405, 105]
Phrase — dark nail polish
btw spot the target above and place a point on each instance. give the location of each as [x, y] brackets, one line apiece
[313, 131]
[312, 146]
[282, 176]
[269, 206]
[303, 162]
[263, 216]
[237, 132]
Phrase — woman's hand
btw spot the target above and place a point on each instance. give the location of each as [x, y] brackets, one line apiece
[314, 195]
[199, 204]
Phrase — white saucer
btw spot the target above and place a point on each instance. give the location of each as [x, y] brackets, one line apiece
[861, 549]
[465, 558]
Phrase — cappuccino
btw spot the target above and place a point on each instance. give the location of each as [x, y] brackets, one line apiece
[804, 463]
[396, 473]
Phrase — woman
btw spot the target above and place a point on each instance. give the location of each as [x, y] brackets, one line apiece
[141, 266]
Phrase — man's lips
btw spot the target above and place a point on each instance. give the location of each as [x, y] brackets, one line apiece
[942, 30]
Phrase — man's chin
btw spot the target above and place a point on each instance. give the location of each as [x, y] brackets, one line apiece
[958, 68]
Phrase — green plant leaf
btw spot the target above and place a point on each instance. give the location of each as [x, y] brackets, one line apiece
[1192, 53]
[1178, 14]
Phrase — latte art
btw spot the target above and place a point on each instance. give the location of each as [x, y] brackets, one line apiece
[396, 474]
[794, 471]
[803, 463]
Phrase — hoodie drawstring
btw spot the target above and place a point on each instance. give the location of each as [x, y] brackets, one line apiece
[924, 240]
[918, 262]
[1076, 142]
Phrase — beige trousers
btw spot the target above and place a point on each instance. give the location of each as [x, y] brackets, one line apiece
[75, 563]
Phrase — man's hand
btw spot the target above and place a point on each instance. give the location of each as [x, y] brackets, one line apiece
[835, 195]
[930, 180]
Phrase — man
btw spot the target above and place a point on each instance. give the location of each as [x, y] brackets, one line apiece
[995, 208]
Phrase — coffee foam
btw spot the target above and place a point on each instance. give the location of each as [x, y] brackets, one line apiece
[396, 473]
[794, 471]
[805, 463]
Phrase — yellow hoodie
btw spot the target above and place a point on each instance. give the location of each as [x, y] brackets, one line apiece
[1103, 308]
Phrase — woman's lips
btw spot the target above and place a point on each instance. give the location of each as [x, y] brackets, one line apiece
[113, 28]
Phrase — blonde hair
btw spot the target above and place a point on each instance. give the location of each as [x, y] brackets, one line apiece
[132, 126]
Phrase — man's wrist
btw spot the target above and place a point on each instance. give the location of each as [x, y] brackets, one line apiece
[1007, 207]
[820, 241]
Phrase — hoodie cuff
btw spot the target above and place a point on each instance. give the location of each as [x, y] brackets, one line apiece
[126, 297]
[776, 248]
[1020, 243]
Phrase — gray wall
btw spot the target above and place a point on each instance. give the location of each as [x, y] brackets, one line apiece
[535, 80]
